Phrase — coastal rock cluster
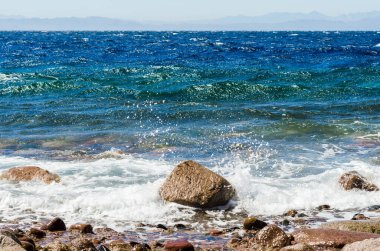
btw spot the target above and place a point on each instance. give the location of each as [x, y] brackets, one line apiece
[192, 184]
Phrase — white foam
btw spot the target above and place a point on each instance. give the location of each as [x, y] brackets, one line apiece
[378, 45]
[116, 192]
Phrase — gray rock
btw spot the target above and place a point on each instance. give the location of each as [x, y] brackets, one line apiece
[192, 184]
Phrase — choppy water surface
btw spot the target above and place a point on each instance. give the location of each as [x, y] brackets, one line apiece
[281, 115]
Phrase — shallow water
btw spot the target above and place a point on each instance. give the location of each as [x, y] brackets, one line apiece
[280, 116]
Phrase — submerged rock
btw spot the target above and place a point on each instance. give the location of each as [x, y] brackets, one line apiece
[192, 184]
[28, 173]
[330, 237]
[55, 224]
[353, 180]
[370, 244]
[368, 226]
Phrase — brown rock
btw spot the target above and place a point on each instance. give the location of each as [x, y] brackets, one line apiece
[36, 233]
[8, 244]
[192, 184]
[291, 213]
[272, 236]
[298, 247]
[120, 245]
[359, 217]
[28, 173]
[27, 239]
[55, 224]
[353, 180]
[368, 226]
[27, 246]
[178, 245]
[252, 223]
[369, 244]
[82, 228]
[329, 237]
[324, 207]
[57, 246]
[81, 244]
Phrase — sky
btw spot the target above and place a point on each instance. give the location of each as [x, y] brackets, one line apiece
[178, 10]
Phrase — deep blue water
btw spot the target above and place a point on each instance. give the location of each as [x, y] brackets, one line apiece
[180, 95]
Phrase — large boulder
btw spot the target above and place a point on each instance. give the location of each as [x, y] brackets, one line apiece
[369, 226]
[330, 237]
[28, 173]
[272, 237]
[194, 185]
[370, 244]
[353, 180]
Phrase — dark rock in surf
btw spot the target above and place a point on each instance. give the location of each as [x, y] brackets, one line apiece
[54, 225]
[252, 223]
[194, 185]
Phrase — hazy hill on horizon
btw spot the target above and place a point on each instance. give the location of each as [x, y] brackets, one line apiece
[312, 21]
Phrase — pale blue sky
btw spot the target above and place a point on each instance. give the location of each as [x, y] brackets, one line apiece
[177, 10]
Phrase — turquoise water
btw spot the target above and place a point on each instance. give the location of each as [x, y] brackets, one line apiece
[281, 114]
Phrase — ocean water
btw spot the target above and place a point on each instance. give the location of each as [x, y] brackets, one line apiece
[280, 114]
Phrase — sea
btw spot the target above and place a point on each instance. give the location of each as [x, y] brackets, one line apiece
[281, 115]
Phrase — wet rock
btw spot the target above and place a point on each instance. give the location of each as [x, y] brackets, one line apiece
[353, 180]
[369, 226]
[161, 226]
[26, 239]
[178, 245]
[81, 244]
[359, 217]
[57, 246]
[103, 248]
[323, 207]
[10, 234]
[27, 246]
[8, 244]
[28, 173]
[298, 247]
[192, 184]
[216, 232]
[36, 233]
[329, 237]
[54, 225]
[82, 228]
[180, 226]
[285, 222]
[272, 236]
[369, 244]
[120, 245]
[291, 213]
[108, 233]
[252, 223]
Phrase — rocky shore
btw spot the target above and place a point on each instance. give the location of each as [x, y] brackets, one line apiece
[191, 184]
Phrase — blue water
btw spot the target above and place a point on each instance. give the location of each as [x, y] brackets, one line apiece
[281, 104]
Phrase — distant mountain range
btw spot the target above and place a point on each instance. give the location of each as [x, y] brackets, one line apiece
[275, 21]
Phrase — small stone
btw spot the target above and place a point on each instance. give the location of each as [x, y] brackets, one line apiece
[285, 222]
[359, 217]
[27, 246]
[180, 226]
[252, 223]
[177, 245]
[323, 207]
[291, 213]
[36, 233]
[161, 226]
[103, 248]
[272, 236]
[353, 180]
[27, 239]
[83, 244]
[301, 215]
[82, 228]
[216, 232]
[54, 225]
